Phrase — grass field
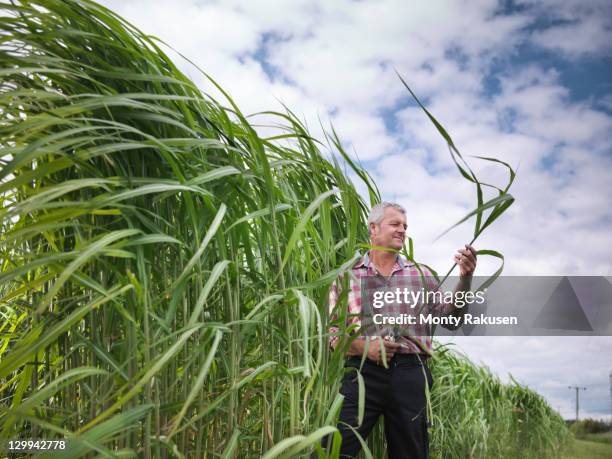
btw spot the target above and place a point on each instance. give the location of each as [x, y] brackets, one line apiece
[594, 446]
[605, 438]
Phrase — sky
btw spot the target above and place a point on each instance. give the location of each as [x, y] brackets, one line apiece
[524, 81]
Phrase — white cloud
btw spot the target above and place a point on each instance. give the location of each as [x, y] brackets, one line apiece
[366, 132]
[585, 39]
[543, 110]
[579, 28]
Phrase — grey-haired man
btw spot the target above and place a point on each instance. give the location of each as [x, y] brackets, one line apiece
[397, 390]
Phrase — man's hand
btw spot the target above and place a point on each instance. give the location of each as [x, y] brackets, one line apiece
[375, 352]
[466, 259]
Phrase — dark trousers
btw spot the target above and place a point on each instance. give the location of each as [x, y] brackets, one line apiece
[398, 393]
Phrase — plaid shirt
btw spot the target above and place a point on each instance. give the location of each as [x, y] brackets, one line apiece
[401, 267]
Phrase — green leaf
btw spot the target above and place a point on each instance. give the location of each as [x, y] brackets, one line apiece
[301, 225]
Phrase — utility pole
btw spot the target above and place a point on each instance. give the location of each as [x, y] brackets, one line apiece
[577, 397]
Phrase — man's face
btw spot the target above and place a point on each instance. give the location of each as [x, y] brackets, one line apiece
[391, 231]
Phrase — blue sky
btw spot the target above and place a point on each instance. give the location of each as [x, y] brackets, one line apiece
[528, 82]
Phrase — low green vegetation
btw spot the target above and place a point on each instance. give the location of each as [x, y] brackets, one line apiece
[599, 438]
[587, 449]
[164, 268]
[585, 427]
[475, 415]
[592, 438]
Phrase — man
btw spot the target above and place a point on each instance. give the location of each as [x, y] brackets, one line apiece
[395, 390]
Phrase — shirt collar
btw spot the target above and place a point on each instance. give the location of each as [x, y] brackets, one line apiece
[365, 261]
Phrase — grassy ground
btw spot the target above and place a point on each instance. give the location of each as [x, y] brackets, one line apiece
[595, 446]
[599, 438]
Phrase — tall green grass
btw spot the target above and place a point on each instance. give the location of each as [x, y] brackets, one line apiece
[158, 254]
[164, 267]
[475, 415]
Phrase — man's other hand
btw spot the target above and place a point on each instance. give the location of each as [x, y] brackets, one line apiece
[375, 351]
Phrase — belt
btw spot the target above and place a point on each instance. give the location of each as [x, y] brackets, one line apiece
[397, 357]
[410, 357]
